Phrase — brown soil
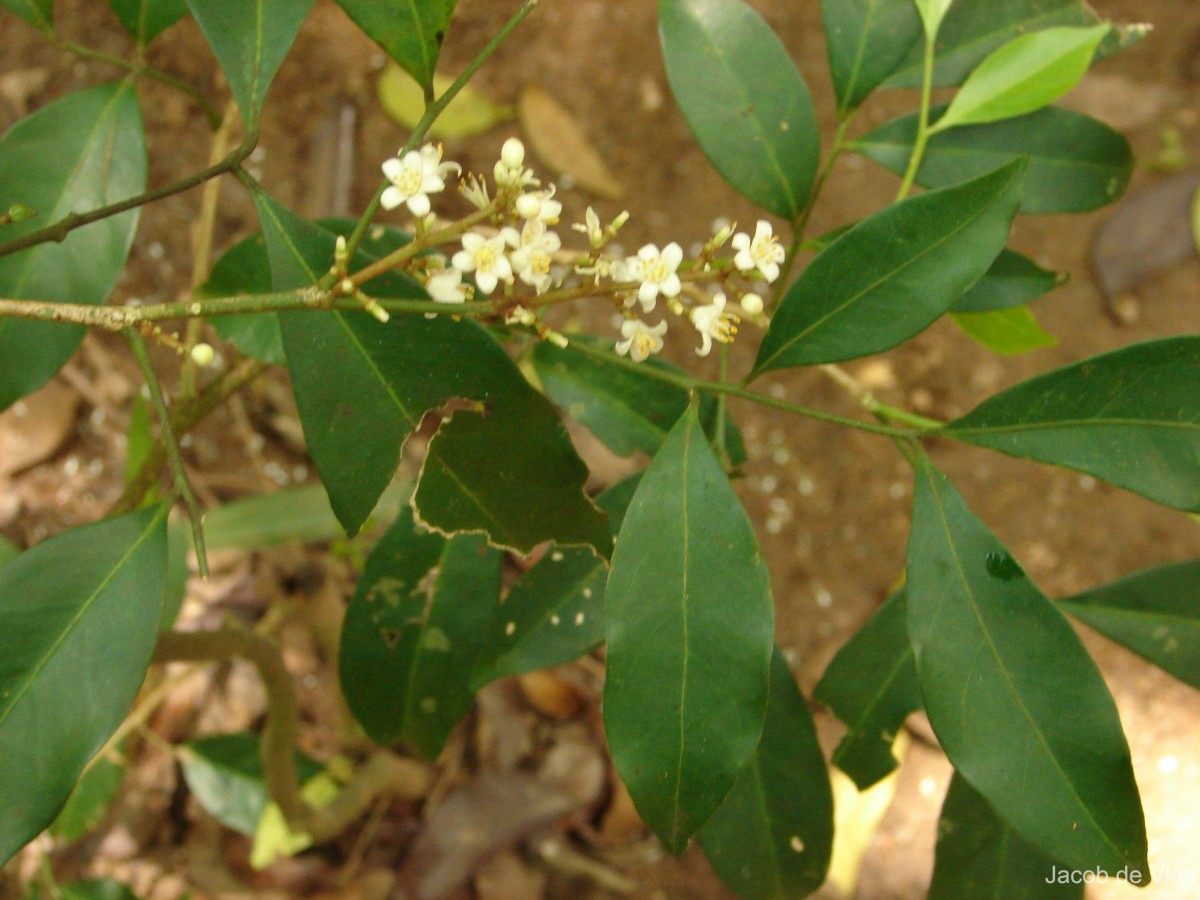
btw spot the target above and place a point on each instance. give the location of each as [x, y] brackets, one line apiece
[831, 506]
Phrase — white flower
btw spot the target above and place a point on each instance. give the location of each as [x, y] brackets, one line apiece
[763, 252]
[485, 257]
[414, 177]
[540, 205]
[641, 341]
[591, 227]
[656, 271]
[446, 286]
[752, 303]
[713, 323]
[533, 253]
[475, 190]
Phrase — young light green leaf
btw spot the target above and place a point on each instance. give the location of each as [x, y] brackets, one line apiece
[1075, 162]
[470, 112]
[38, 13]
[979, 855]
[80, 616]
[689, 622]
[1154, 612]
[866, 40]
[627, 411]
[88, 132]
[772, 836]
[932, 12]
[971, 30]
[410, 31]
[1024, 75]
[743, 98]
[147, 19]
[250, 38]
[1130, 417]
[89, 801]
[1012, 280]
[224, 772]
[871, 685]
[362, 388]
[1016, 702]
[1005, 331]
[893, 274]
[555, 611]
[413, 633]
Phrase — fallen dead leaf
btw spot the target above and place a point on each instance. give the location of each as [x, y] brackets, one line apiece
[549, 694]
[34, 428]
[562, 145]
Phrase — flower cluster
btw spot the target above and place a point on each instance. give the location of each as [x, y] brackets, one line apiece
[519, 245]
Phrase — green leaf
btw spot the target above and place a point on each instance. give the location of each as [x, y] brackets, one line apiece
[410, 31]
[972, 30]
[79, 613]
[743, 98]
[362, 388]
[893, 274]
[871, 685]
[245, 269]
[1130, 417]
[179, 543]
[772, 836]
[866, 40]
[89, 801]
[555, 611]
[1016, 702]
[97, 889]
[979, 855]
[250, 38]
[38, 13]
[689, 622]
[1005, 331]
[413, 634]
[224, 772]
[147, 19]
[1075, 162]
[1013, 280]
[59, 160]
[1024, 75]
[628, 412]
[8, 551]
[1154, 612]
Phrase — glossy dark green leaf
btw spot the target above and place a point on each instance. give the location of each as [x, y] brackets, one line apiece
[893, 274]
[555, 611]
[1154, 612]
[772, 836]
[245, 269]
[79, 614]
[38, 13]
[689, 622]
[89, 801]
[979, 855]
[147, 19]
[97, 889]
[411, 31]
[871, 685]
[1131, 417]
[59, 160]
[8, 551]
[866, 40]
[1013, 280]
[413, 634]
[629, 412]
[363, 386]
[1005, 331]
[971, 31]
[743, 98]
[250, 38]
[1018, 705]
[1075, 162]
[224, 772]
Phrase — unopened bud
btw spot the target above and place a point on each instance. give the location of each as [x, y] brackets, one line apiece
[752, 304]
[19, 212]
[203, 354]
[529, 206]
[512, 154]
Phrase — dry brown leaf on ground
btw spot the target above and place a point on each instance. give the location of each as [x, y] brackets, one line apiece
[562, 145]
[33, 429]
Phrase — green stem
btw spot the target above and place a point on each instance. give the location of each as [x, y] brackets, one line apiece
[722, 408]
[432, 111]
[688, 383]
[167, 436]
[918, 151]
[138, 69]
[59, 230]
